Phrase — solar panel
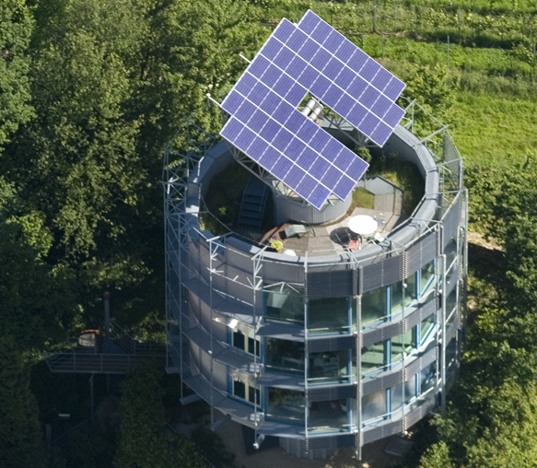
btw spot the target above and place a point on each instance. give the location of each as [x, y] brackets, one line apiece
[266, 125]
[284, 149]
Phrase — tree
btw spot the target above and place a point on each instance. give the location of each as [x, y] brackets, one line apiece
[143, 439]
[20, 431]
[15, 32]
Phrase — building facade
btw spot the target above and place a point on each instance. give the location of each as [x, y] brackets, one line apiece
[321, 349]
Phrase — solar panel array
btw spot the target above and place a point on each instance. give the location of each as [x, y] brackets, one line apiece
[266, 125]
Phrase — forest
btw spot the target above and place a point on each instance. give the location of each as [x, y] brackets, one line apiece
[92, 91]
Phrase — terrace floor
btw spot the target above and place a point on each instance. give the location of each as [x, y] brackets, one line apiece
[333, 238]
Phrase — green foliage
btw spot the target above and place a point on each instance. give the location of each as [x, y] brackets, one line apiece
[143, 441]
[16, 25]
[20, 431]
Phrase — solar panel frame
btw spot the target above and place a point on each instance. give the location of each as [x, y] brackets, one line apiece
[310, 56]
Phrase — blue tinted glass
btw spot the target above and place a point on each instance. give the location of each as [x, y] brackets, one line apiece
[308, 50]
[271, 48]
[331, 97]
[283, 85]
[284, 58]
[282, 139]
[296, 40]
[319, 196]
[369, 70]
[344, 187]
[356, 88]
[320, 86]
[245, 84]
[356, 115]
[231, 130]
[320, 141]
[394, 88]
[281, 167]
[257, 121]
[271, 75]
[295, 122]
[333, 41]
[232, 102]
[346, 50]
[344, 106]
[270, 129]
[307, 158]
[258, 66]
[308, 130]
[294, 176]
[331, 176]
[382, 79]
[307, 185]
[308, 22]
[333, 68]
[381, 134]
[282, 112]
[295, 94]
[245, 111]
[393, 116]
[320, 59]
[319, 168]
[381, 106]
[284, 30]
[357, 168]
[369, 124]
[369, 96]
[356, 62]
[345, 77]
[308, 76]
[321, 32]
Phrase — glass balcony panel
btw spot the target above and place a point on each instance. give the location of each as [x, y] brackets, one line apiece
[284, 304]
[284, 355]
[329, 315]
[374, 406]
[396, 298]
[373, 306]
[373, 358]
[286, 405]
[328, 366]
[428, 377]
[426, 278]
[425, 327]
[404, 343]
[329, 416]
[411, 289]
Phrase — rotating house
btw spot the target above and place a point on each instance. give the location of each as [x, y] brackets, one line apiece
[313, 316]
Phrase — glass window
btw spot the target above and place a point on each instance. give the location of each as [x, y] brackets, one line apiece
[451, 253]
[373, 306]
[451, 302]
[328, 366]
[411, 289]
[285, 355]
[325, 416]
[373, 358]
[396, 297]
[404, 343]
[426, 326]
[284, 303]
[428, 377]
[426, 277]
[243, 339]
[286, 404]
[374, 405]
[397, 396]
[245, 390]
[330, 315]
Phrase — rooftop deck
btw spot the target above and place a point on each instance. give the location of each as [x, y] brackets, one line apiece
[336, 238]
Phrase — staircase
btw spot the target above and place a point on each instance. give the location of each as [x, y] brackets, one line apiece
[253, 202]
